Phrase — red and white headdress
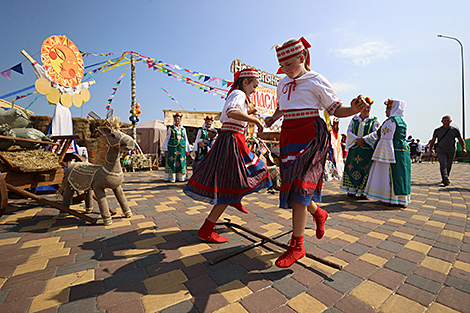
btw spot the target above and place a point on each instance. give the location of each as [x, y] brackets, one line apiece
[245, 73]
[178, 114]
[291, 50]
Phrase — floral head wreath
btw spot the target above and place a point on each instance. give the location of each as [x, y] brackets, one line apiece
[209, 118]
[389, 103]
[369, 101]
[177, 114]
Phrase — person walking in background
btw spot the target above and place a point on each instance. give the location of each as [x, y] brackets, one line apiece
[420, 151]
[390, 175]
[230, 171]
[427, 151]
[413, 150]
[445, 146]
[305, 140]
[176, 148]
[359, 159]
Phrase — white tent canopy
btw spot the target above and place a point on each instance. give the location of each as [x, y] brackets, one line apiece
[150, 136]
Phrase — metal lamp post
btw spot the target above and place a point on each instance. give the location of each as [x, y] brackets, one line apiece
[463, 83]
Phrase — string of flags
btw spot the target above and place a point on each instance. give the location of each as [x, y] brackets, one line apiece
[17, 68]
[196, 79]
[115, 88]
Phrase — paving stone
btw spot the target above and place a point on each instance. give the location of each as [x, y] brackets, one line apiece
[357, 249]
[376, 243]
[460, 284]
[453, 298]
[227, 275]
[416, 294]
[423, 283]
[343, 282]
[401, 266]
[185, 306]
[3, 295]
[390, 246]
[79, 306]
[289, 287]
[125, 278]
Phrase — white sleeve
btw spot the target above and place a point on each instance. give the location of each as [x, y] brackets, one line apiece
[186, 140]
[198, 140]
[384, 152]
[351, 137]
[165, 143]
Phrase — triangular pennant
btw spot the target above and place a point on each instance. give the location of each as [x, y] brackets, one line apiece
[18, 69]
[6, 73]
[206, 78]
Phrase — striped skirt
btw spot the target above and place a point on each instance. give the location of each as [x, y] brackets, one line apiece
[304, 148]
[228, 172]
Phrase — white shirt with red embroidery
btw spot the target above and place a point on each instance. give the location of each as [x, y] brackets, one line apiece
[235, 102]
[310, 91]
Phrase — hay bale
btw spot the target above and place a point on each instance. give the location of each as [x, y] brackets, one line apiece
[32, 160]
[81, 126]
[94, 124]
[41, 122]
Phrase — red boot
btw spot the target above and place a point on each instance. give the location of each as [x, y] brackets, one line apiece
[320, 217]
[207, 233]
[295, 251]
[239, 207]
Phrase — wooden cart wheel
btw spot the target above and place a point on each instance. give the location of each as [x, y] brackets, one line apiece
[3, 194]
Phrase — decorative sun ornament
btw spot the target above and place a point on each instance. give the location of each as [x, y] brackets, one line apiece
[62, 61]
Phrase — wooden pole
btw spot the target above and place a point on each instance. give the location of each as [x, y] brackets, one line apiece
[133, 96]
[55, 205]
[277, 243]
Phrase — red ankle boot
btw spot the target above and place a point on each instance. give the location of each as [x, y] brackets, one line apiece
[206, 232]
[320, 217]
[294, 252]
[239, 207]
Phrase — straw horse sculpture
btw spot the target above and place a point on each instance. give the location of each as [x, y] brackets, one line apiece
[89, 178]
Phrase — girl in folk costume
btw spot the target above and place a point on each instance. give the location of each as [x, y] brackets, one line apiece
[230, 170]
[359, 157]
[176, 147]
[390, 175]
[304, 140]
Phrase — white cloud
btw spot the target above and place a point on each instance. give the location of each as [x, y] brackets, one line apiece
[366, 53]
[341, 87]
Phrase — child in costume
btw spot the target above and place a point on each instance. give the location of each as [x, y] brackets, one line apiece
[176, 147]
[359, 159]
[230, 170]
[390, 175]
[305, 140]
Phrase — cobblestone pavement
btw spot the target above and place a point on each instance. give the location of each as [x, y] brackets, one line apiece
[411, 260]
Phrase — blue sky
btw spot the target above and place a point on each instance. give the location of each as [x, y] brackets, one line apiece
[380, 49]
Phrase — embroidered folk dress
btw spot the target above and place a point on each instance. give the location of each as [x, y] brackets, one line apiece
[176, 143]
[230, 170]
[305, 139]
[359, 159]
[390, 175]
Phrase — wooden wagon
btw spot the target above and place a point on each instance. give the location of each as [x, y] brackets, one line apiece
[17, 180]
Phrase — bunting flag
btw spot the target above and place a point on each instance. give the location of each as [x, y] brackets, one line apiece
[6, 73]
[170, 96]
[17, 68]
[23, 96]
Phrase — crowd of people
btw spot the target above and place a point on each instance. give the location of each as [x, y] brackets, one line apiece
[376, 163]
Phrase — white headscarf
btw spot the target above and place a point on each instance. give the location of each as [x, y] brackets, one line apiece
[398, 108]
